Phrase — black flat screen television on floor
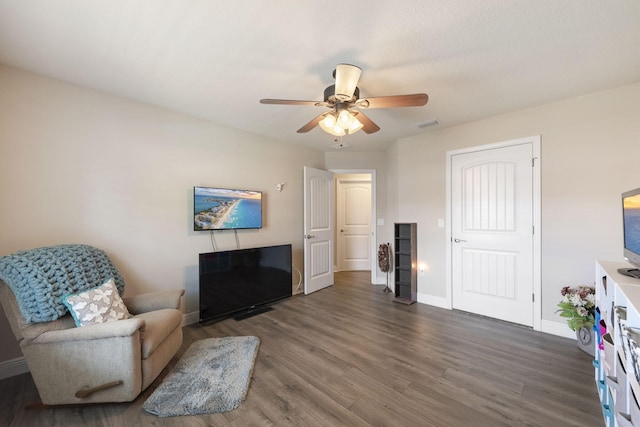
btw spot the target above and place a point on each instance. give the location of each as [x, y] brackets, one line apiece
[243, 282]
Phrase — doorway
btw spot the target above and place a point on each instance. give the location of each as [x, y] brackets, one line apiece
[353, 222]
[320, 253]
[494, 234]
[355, 242]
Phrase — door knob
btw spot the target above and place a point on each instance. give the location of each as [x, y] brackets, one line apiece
[458, 240]
[309, 236]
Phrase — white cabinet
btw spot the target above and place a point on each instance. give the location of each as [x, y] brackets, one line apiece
[617, 370]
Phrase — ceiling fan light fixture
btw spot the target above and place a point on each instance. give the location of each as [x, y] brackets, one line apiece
[356, 125]
[338, 131]
[329, 124]
[347, 77]
[329, 121]
[345, 119]
[339, 123]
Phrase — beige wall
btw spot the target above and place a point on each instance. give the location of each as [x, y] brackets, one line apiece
[590, 148]
[78, 166]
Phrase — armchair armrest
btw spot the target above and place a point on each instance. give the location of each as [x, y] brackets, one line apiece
[151, 301]
[117, 328]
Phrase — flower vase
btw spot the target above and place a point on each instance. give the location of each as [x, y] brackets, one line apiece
[586, 340]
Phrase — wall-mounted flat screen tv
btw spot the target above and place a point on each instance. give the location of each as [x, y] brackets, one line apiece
[631, 231]
[226, 209]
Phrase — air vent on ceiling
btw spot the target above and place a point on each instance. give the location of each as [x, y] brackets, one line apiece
[427, 123]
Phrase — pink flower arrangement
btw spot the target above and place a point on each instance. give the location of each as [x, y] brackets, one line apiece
[578, 306]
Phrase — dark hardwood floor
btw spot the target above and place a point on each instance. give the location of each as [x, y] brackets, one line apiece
[349, 356]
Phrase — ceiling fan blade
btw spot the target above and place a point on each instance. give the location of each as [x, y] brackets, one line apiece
[313, 123]
[347, 77]
[413, 100]
[289, 102]
[368, 126]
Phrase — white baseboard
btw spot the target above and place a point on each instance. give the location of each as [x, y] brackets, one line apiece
[13, 367]
[435, 301]
[190, 318]
[381, 281]
[557, 328]
[547, 326]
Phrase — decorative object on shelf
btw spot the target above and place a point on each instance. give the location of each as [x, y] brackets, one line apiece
[384, 261]
[631, 339]
[578, 307]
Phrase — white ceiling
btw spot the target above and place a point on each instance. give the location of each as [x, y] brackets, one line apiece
[217, 59]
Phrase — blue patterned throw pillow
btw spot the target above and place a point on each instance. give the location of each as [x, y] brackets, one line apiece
[99, 305]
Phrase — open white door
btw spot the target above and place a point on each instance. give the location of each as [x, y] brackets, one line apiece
[318, 229]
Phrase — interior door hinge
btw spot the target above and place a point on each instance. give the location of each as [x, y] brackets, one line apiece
[533, 297]
[533, 162]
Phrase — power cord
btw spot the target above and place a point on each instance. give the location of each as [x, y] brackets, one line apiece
[213, 241]
[299, 281]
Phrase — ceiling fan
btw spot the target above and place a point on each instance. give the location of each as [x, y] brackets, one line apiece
[342, 99]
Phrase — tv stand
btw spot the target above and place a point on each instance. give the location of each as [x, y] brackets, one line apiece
[631, 272]
[617, 334]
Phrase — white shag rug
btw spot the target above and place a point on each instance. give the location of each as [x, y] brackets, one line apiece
[212, 376]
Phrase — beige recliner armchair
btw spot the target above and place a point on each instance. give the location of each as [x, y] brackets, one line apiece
[107, 362]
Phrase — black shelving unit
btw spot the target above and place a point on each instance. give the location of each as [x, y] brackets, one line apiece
[406, 275]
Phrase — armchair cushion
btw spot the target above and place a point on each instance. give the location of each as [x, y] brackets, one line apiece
[159, 324]
[151, 301]
[99, 305]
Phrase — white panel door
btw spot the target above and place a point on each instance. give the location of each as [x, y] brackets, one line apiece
[354, 224]
[492, 233]
[318, 229]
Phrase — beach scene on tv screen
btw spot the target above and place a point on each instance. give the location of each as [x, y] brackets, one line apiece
[223, 209]
[632, 223]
